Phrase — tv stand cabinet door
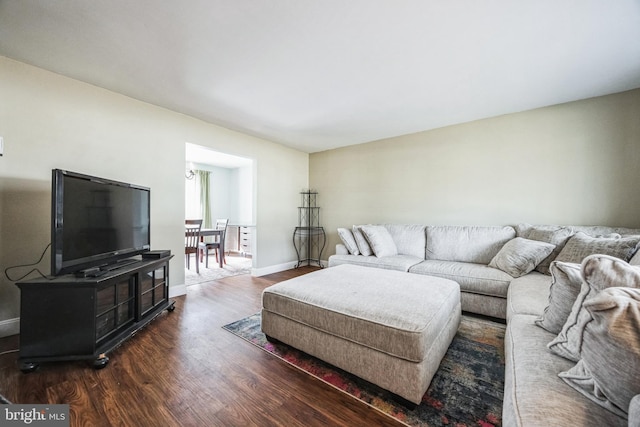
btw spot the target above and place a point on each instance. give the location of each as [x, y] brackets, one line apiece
[154, 289]
[56, 321]
[115, 307]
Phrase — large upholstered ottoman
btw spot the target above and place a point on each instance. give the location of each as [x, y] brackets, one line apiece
[387, 327]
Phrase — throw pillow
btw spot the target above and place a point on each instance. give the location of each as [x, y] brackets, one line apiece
[566, 282]
[348, 240]
[361, 241]
[581, 245]
[556, 236]
[634, 411]
[609, 371]
[380, 240]
[520, 256]
[599, 272]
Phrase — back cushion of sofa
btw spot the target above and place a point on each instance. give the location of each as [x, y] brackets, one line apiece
[599, 230]
[409, 239]
[477, 244]
[523, 230]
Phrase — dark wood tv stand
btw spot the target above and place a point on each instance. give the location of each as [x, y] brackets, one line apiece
[71, 318]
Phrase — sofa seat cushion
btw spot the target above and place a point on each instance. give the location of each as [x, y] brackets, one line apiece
[474, 278]
[394, 262]
[534, 394]
[528, 294]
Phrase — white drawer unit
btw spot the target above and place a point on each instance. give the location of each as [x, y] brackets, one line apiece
[244, 240]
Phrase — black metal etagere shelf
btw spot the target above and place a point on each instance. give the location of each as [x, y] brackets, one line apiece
[309, 237]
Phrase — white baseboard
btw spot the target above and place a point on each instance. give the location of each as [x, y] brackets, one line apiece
[9, 327]
[257, 272]
[278, 268]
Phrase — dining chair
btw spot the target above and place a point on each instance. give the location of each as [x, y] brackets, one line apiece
[221, 224]
[192, 240]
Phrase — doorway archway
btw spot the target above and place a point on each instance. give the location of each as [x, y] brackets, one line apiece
[231, 195]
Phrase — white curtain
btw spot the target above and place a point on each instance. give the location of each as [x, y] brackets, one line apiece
[203, 178]
[198, 198]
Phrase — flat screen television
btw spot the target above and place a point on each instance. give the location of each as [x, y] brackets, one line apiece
[96, 222]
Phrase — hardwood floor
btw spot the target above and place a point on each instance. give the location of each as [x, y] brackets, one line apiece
[183, 369]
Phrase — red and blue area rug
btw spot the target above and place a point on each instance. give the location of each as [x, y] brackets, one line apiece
[467, 389]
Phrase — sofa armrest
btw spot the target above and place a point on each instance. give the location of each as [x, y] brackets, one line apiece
[634, 411]
[341, 249]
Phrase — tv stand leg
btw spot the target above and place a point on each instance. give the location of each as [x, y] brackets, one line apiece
[172, 306]
[101, 362]
[27, 367]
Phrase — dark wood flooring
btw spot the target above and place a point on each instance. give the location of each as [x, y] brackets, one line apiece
[183, 369]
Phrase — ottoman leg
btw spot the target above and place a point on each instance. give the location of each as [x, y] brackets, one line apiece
[404, 402]
[272, 340]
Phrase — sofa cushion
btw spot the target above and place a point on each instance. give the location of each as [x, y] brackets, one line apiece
[534, 395]
[581, 245]
[566, 282]
[474, 244]
[609, 371]
[395, 262]
[599, 272]
[634, 412]
[520, 256]
[410, 239]
[553, 234]
[380, 240]
[484, 305]
[346, 236]
[603, 230]
[528, 294]
[474, 278]
[361, 241]
[341, 249]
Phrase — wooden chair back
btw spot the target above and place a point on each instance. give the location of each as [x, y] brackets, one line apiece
[221, 224]
[192, 235]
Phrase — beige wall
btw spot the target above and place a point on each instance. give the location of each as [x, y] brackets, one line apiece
[576, 163]
[49, 121]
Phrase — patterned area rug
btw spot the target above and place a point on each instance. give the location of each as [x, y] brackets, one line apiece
[467, 389]
[235, 266]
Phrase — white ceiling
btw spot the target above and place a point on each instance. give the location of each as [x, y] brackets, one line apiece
[321, 74]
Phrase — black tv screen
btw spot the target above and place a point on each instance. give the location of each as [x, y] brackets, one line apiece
[96, 221]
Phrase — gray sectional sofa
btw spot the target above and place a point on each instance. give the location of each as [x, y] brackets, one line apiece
[530, 276]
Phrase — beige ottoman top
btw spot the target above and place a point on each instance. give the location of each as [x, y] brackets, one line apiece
[391, 311]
